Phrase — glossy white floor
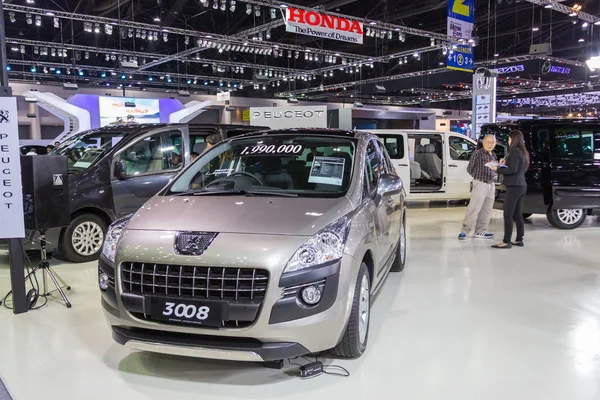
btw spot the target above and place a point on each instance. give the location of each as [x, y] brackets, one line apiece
[463, 321]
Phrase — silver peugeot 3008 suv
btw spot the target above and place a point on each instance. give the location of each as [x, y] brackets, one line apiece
[269, 246]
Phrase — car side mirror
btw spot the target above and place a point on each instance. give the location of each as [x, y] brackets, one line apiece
[120, 170]
[389, 185]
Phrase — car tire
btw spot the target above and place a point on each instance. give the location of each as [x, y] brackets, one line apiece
[400, 260]
[566, 218]
[527, 215]
[355, 338]
[82, 240]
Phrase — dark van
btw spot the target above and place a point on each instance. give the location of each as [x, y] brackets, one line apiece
[114, 170]
[564, 175]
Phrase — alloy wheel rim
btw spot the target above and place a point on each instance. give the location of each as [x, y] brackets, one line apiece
[403, 244]
[363, 309]
[87, 238]
[569, 216]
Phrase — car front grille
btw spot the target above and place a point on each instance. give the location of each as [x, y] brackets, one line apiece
[234, 285]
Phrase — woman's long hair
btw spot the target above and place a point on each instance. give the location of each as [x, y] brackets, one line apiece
[518, 141]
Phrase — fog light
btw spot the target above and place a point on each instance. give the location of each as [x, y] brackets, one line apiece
[311, 295]
[103, 281]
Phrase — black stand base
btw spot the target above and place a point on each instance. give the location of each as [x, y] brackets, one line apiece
[277, 364]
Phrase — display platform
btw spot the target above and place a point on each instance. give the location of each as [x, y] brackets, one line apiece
[462, 322]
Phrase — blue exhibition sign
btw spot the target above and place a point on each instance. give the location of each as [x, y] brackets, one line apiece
[462, 10]
[461, 58]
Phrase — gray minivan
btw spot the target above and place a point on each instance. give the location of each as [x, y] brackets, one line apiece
[114, 170]
[269, 246]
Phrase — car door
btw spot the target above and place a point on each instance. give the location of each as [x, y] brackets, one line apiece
[458, 153]
[150, 161]
[374, 168]
[396, 145]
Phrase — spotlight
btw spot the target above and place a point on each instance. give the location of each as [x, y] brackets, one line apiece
[257, 11]
[58, 72]
[45, 70]
[33, 69]
[87, 55]
[81, 73]
[187, 40]
[296, 54]
[204, 3]
[432, 42]
[103, 75]
[248, 9]
[108, 29]
[165, 37]
[96, 28]
[169, 80]
[155, 36]
[273, 13]
[150, 78]
[22, 49]
[232, 5]
[29, 19]
[223, 6]
[390, 35]
[11, 15]
[56, 22]
[123, 76]
[143, 34]
[268, 34]
[215, 5]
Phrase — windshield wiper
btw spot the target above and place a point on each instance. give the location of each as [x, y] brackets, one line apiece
[236, 192]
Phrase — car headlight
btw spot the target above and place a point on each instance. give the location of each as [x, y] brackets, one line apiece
[325, 246]
[113, 236]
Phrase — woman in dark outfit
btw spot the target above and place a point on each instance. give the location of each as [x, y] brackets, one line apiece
[515, 165]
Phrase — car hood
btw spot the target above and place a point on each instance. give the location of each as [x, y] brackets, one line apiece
[240, 214]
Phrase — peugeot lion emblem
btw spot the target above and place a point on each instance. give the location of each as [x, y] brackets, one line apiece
[193, 243]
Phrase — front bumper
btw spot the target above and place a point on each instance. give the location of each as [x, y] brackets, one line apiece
[283, 327]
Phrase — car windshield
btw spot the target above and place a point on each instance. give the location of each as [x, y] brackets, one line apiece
[86, 149]
[283, 164]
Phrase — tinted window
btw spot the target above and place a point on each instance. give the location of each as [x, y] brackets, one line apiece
[85, 150]
[394, 146]
[374, 164]
[461, 148]
[568, 143]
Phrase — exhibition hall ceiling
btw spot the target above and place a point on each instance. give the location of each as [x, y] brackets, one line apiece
[203, 46]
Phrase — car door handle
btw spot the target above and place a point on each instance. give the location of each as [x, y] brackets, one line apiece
[403, 165]
[389, 202]
[453, 165]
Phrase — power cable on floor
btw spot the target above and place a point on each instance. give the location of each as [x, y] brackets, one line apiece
[313, 369]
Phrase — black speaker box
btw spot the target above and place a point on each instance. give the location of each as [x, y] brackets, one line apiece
[45, 191]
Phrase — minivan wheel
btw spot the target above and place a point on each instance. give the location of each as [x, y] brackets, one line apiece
[82, 240]
[356, 335]
[566, 218]
[400, 260]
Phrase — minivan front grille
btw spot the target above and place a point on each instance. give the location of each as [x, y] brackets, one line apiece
[183, 281]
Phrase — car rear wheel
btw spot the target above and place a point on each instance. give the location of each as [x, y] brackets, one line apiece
[356, 335]
[566, 218]
[400, 260]
[82, 240]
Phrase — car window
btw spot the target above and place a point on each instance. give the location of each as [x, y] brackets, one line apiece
[305, 165]
[394, 146]
[461, 148]
[155, 153]
[568, 143]
[373, 164]
[590, 139]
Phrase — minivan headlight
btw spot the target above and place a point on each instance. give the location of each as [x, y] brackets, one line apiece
[325, 246]
[113, 236]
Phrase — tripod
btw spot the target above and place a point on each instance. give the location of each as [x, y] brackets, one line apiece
[47, 271]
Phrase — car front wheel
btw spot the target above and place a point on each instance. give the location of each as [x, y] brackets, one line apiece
[356, 335]
[82, 240]
[566, 218]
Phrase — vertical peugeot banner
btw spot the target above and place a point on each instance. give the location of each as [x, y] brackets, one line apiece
[461, 18]
[12, 223]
